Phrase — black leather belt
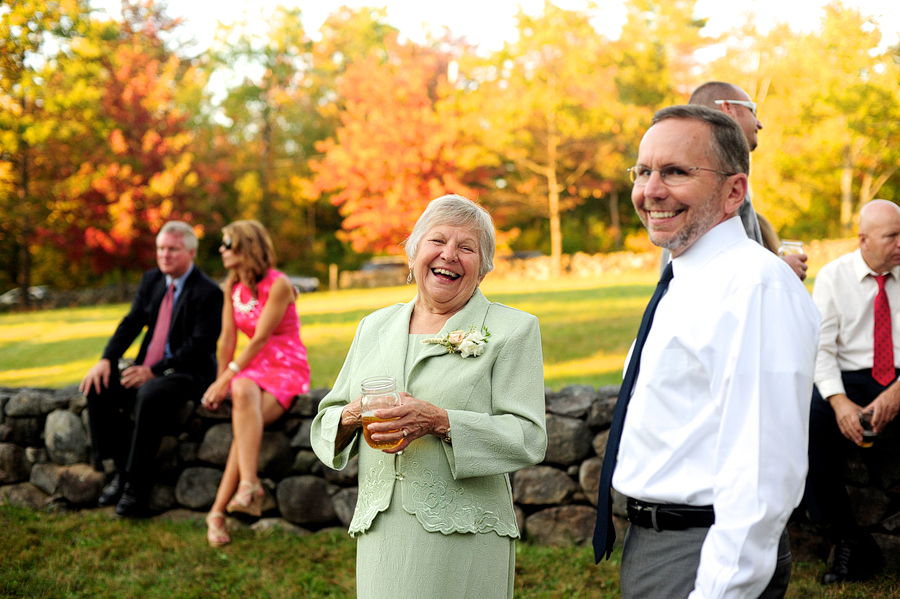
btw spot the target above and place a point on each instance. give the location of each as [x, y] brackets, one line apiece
[669, 516]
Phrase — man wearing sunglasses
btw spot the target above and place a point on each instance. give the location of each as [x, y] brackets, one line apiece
[181, 309]
[736, 103]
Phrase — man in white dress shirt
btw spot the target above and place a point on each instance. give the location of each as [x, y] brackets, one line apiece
[848, 380]
[716, 428]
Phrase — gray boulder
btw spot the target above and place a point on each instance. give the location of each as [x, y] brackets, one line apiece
[24, 495]
[302, 439]
[196, 487]
[65, 438]
[304, 500]
[24, 431]
[869, 504]
[305, 462]
[14, 465]
[266, 525]
[573, 401]
[305, 405]
[589, 478]
[543, 485]
[600, 414]
[344, 502]
[26, 403]
[216, 444]
[347, 477]
[562, 526]
[78, 484]
[599, 443]
[568, 440]
[275, 456]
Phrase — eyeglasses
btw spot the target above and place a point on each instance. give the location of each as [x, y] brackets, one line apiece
[226, 243]
[672, 175]
[750, 105]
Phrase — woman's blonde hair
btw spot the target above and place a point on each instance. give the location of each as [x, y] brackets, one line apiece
[251, 241]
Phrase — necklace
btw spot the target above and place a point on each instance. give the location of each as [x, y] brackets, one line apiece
[241, 306]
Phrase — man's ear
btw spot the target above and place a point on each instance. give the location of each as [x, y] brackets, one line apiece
[729, 109]
[735, 190]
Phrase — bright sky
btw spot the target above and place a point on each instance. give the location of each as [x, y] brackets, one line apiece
[490, 22]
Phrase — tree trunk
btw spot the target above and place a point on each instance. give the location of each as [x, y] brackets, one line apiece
[553, 196]
[615, 226]
[25, 249]
[847, 193]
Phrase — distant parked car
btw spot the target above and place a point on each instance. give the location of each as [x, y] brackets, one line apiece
[386, 264]
[13, 296]
[305, 284]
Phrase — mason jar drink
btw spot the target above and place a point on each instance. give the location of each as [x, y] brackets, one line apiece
[790, 247]
[378, 392]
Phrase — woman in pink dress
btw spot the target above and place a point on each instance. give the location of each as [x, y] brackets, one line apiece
[265, 377]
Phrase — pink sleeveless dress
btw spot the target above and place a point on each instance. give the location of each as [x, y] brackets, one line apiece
[280, 368]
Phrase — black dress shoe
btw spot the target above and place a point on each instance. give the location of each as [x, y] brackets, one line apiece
[854, 561]
[131, 505]
[113, 491]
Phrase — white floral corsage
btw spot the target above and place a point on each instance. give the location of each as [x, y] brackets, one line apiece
[465, 343]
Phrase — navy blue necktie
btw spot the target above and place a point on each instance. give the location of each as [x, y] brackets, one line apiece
[605, 532]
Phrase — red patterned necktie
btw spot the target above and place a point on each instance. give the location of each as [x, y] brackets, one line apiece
[883, 360]
[157, 349]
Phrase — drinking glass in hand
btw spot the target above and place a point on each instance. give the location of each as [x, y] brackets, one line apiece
[790, 247]
[865, 419]
[378, 393]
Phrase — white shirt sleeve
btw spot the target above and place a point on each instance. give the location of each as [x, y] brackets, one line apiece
[828, 370]
[760, 463]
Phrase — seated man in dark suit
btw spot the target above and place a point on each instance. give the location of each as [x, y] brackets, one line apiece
[182, 310]
[858, 295]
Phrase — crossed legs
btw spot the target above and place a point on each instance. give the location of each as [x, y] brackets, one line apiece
[252, 410]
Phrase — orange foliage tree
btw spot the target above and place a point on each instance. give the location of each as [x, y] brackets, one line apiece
[398, 146]
[141, 172]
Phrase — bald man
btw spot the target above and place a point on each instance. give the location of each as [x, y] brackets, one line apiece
[736, 103]
[859, 351]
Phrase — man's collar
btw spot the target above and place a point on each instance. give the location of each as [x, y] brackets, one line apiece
[709, 245]
[179, 282]
[861, 269]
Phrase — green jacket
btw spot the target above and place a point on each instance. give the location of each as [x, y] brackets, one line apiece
[496, 407]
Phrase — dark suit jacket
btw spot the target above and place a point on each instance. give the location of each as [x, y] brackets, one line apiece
[193, 334]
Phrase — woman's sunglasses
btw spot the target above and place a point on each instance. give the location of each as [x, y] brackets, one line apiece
[226, 243]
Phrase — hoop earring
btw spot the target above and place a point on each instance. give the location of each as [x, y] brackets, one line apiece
[409, 277]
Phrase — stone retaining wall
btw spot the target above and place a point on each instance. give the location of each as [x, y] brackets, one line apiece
[44, 455]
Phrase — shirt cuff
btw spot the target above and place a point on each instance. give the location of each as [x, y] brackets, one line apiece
[830, 387]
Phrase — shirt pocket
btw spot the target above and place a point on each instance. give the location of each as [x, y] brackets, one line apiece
[675, 387]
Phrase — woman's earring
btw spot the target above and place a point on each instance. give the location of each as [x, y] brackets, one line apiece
[409, 277]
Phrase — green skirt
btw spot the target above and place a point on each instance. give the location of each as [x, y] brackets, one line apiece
[397, 558]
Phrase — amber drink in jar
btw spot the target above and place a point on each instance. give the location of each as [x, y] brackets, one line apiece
[378, 392]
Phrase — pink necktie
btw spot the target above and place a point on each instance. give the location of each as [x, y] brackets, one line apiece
[157, 349]
[883, 360]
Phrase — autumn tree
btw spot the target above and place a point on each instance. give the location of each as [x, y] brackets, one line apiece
[396, 149]
[32, 34]
[549, 106]
[828, 145]
[271, 120]
[137, 169]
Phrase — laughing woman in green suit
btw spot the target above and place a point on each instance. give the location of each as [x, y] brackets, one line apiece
[434, 517]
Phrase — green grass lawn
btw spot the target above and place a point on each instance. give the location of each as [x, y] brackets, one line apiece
[90, 554]
[587, 326]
